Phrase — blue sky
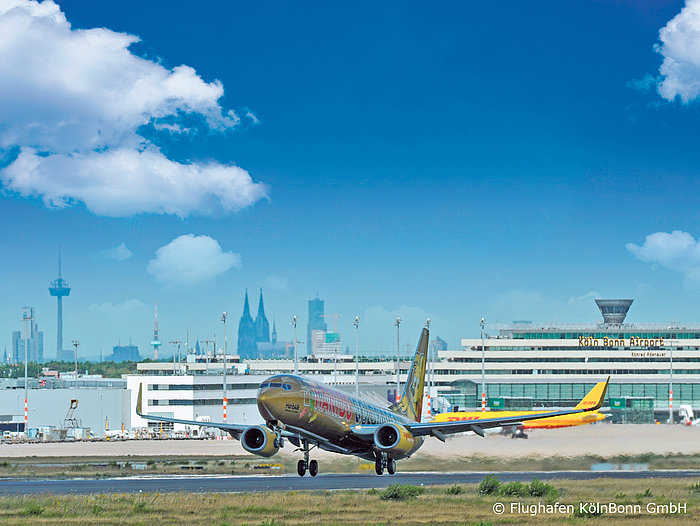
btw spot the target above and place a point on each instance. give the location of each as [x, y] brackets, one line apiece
[502, 160]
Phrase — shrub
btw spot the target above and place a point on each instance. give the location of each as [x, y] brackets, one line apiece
[32, 509]
[489, 486]
[455, 490]
[401, 492]
[514, 489]
[695, 488]
[588, 514]
[538, 488]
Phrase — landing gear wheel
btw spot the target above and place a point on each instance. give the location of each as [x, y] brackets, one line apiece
[301, 468]
[379, 466]
[391, 466]
[313, 468]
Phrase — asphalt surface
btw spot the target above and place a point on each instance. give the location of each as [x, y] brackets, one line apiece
[237, 484]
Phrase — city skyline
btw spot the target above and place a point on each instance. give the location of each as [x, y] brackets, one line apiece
[512, 162]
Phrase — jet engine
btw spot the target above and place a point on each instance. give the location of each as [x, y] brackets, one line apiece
[259, 440]
[395, 440]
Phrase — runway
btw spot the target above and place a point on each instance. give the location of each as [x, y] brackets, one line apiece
[255, 483]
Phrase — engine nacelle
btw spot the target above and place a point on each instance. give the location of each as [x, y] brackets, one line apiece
[259, 440]
[395, 440]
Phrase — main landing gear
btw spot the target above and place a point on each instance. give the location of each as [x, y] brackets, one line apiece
[382, 462]
[305, 464]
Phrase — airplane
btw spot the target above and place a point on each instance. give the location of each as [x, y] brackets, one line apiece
[547, 422]
[309, 414]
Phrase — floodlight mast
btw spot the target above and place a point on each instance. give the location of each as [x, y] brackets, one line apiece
[27, 318]
[356, 323]
[397, 324]
[483, 368]
[296, 357]
[224, 315]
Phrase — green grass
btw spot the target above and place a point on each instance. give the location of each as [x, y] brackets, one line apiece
[396, 505]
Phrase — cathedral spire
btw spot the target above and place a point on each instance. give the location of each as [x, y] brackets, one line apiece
[262, 327]
[246, 333]
[246, 308]
[261, 307]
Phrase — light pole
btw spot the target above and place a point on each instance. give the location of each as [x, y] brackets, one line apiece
[207, 342]
[75, 344]
[483, 368]
[670, 390]
[176, 351]
[224, 315]
[356, 323]
[427, 326]
[27, 324]
[296, 358]
[397, 324]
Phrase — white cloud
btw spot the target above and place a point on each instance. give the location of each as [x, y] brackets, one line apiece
[123, 182]
[275, 282]
[72, 102]
[118, 253]
[252, 117]
[678, 251]
[191, 259]
[680, 47]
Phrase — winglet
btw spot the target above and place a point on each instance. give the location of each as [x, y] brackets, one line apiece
[138, 402]
[595, 397]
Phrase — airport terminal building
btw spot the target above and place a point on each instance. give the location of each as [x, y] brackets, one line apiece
[554, 365]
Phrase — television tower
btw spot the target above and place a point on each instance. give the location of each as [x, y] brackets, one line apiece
[156, 340]
[59, 288]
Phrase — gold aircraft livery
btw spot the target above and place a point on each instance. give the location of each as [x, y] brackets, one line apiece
[309, 414]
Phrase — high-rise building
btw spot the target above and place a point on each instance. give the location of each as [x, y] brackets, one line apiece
[59, 288]
[262, 327]
[246, 333]
[316, 322]
[124, 353]
[33, 340]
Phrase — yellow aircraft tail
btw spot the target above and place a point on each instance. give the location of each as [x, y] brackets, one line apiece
[595, 397]
[411, 403]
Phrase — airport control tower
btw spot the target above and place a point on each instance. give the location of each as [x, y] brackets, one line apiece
[60, 288]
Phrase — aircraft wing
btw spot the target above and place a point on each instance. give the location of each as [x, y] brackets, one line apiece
[439, 429]
[234, 430]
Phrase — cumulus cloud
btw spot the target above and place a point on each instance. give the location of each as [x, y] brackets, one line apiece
[678, 251]
[680, 47]
[118, 253]
[190, 259]
[73, 104]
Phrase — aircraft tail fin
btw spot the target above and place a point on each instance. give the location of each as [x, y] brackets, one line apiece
[594, 398]
[411, 402]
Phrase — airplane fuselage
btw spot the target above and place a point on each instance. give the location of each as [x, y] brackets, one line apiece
[543, 423]
[319, 410]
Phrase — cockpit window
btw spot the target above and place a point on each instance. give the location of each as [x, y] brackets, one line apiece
[279, 385]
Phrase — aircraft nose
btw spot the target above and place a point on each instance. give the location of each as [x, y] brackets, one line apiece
[265, 398]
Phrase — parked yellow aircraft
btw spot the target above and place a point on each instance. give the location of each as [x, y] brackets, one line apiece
[309, 414]
[548, 422]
